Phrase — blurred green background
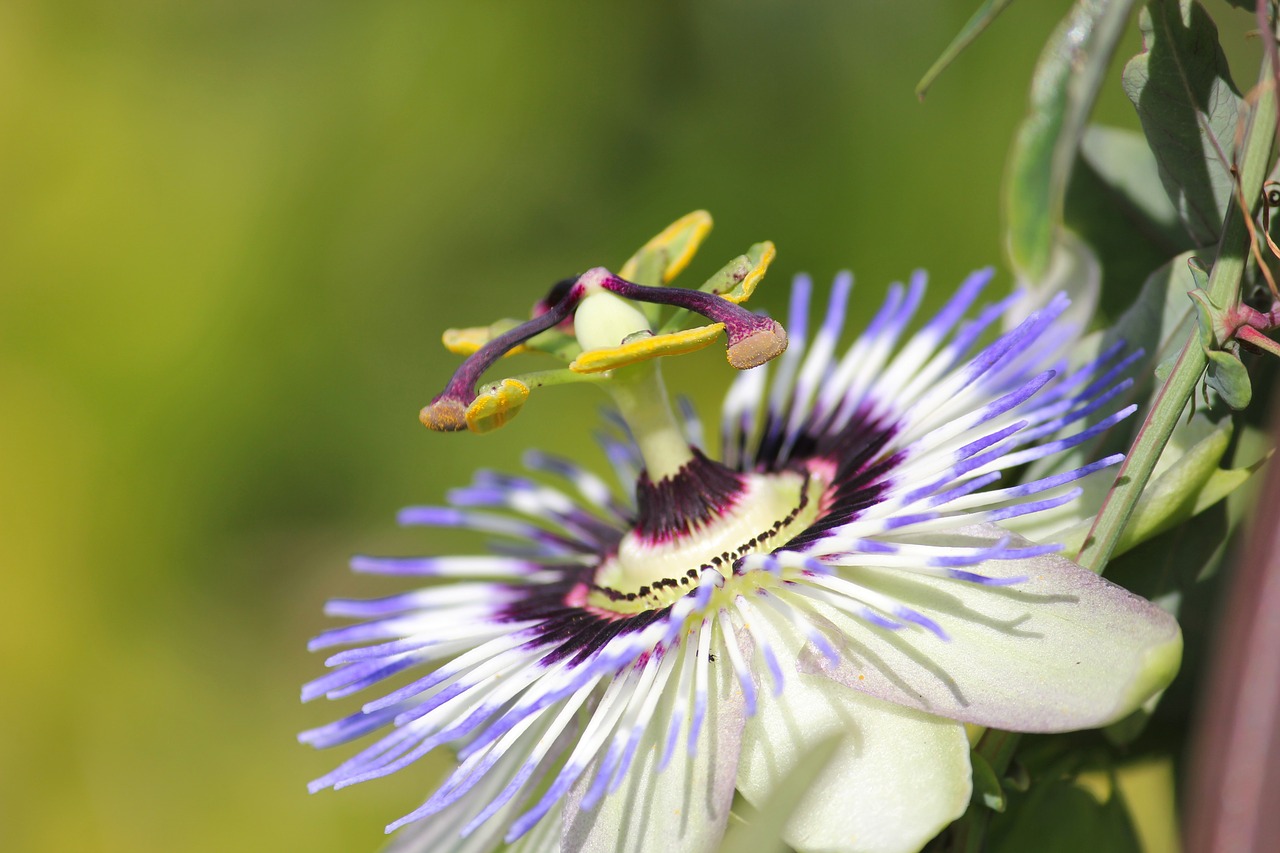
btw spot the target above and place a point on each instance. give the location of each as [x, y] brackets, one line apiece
[230, 236]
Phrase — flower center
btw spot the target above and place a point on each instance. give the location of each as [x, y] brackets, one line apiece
[693, 514]
[648, 572]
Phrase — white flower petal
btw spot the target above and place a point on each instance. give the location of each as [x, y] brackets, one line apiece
[895, 779]
[683, 807]
[1061, 650]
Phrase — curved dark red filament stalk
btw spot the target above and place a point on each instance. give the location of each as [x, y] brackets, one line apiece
[462, 384]
[753, 338]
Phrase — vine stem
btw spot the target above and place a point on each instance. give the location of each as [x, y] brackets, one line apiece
[1172, 398]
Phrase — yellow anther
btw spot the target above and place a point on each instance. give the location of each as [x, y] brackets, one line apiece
[643, 349]
[496, 405]
[663, 257]
[467, 341]
[751, 267]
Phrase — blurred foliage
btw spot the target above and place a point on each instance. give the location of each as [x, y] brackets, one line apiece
[231, 237]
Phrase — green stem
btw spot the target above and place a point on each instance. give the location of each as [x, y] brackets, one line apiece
[1173, 396]
[642, 399]
[970, 832]
[552, 377]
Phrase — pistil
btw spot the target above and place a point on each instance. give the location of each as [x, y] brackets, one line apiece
[607, 322]
[448, 411]
[753, 339]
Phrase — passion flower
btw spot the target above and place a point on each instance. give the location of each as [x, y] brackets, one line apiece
[619, 662]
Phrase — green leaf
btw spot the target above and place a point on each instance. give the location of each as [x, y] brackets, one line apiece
[1016, 777]
[1186, 481]
[1223, 286]
[1058, 816]
[1190, 111]
[982, 18]
[1067, 78]
[1209, 319]
[1073, 269]
[1116, 204]
[1228, 376]
[1162, 316]
[987, 789]
[1124, 162]
[1165, 568]
[1188, 462]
